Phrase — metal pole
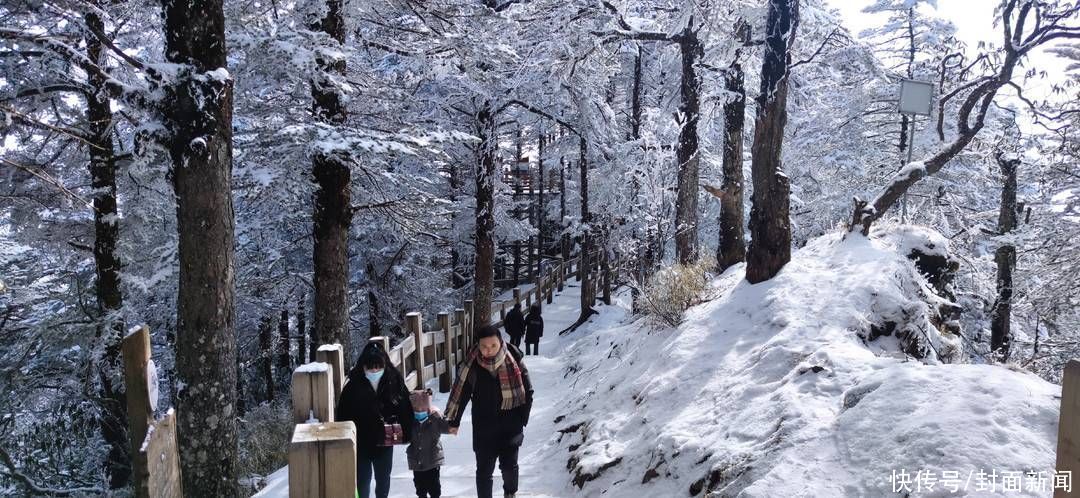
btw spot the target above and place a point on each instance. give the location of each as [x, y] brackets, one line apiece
[910, 147]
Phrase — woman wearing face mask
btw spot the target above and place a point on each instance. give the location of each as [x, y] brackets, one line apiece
[494, 378]
[374, 395]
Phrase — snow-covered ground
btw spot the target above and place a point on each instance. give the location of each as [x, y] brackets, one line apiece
[768, 391]
[771, 390]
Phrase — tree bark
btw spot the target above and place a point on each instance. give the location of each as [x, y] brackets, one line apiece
[586, 273]
[1005, 257]
[332, 215]
[732, 245]
[457, 276]
[686, 201]
[374, 323]
[302, 353]
[540, 212]
[198, 115]
[641, 266]
[284, 347]
[110, 300]
[265, 360]
[770, 226]
[483, 280]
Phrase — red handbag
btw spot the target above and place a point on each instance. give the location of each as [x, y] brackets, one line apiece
[392, 434]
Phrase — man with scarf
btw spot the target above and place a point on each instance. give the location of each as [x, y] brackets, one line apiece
[496, 381]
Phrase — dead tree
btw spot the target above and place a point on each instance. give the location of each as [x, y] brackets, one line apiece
[1005, 257]
[1025, 26]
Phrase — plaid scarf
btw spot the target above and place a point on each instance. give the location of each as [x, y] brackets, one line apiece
[503, 367]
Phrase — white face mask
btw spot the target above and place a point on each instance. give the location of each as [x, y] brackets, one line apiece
[374, 377]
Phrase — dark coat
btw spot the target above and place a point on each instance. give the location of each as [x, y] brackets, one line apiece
[493, 427]
[534, 328]
[369, 409]
[425, 452]
[514, 323]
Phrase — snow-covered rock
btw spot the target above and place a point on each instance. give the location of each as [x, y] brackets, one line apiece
[776, 389]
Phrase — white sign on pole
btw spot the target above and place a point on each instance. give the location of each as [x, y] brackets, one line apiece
[915, 97]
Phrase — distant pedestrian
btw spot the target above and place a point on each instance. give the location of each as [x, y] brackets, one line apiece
[515, 325]
[534, 330]
[425, 452]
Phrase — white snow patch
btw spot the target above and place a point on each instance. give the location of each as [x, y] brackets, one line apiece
[313, 367]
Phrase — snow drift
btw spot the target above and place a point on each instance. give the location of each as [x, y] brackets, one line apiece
[805, 385]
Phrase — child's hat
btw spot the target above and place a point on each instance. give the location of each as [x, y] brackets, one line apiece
[421, 400]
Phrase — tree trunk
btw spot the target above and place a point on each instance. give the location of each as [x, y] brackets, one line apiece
[586, 273]
[265, 359]
[302, 353]
[770, 226]
[732, 245]
[457, 277]
[483, 279]
[686, 201]
[641, 266]
[110, 300]
[332, 214]
[374, 325]
[1005, 257]
[198, 115]
[540, 212]
[284, 347]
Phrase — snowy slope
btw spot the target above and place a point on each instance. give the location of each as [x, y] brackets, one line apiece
[769, 390]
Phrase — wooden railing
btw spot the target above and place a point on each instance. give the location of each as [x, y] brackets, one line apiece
[429, 353]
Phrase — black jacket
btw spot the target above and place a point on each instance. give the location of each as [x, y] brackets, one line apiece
[514, 323]
[369, 409]
[494, 428]
[534, 328]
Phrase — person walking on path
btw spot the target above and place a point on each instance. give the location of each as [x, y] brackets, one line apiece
[374, 399]
[495, 379]
[534, 330]
[515, 325]
[425, 452]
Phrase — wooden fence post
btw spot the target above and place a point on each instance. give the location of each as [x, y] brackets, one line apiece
[136, 351]
[312, 393]
[414, 325]
[155, 453]
[446, 379]
[1068, 447]
[459, 339]
[561, 277]
[470, 316]
[333, 355]
[322, 461]
[383, 342]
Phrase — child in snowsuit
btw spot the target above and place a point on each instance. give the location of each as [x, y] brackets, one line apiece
[425, 452]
